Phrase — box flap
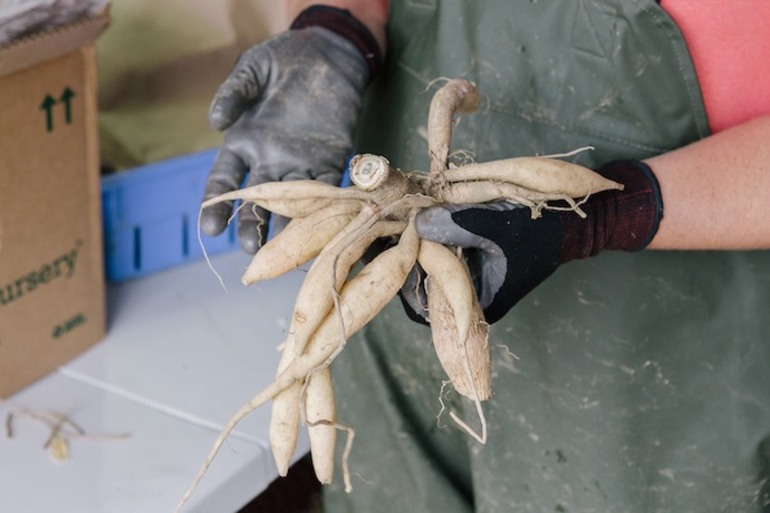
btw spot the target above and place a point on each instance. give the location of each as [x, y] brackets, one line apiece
[36, 48]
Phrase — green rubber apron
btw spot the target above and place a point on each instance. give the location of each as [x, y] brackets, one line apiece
[628, 382]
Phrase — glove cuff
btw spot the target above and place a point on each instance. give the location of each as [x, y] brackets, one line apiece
[343, 23]
[624, 220]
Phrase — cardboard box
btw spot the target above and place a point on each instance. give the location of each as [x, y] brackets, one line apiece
[52, 304]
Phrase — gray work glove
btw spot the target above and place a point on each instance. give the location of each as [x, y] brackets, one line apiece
[289, 108]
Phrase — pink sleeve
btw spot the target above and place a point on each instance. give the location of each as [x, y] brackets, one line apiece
[729, 42]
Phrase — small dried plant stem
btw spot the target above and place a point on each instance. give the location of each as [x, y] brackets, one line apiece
[54, 420]
[62, 430]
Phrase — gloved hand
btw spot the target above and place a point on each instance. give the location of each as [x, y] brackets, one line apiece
[509, 253]
[289, 108]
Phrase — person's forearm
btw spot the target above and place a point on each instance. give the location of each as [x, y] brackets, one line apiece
[372, 13]
[716, 192]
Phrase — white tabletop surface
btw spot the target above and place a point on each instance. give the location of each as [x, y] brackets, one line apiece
[181, 355]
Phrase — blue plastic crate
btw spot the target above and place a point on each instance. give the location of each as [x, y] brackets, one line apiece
[151, 217]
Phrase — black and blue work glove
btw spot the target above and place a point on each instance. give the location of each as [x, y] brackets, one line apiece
[509, 253]
[289, 109]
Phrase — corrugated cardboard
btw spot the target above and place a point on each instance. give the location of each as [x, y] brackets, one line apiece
[52, 304]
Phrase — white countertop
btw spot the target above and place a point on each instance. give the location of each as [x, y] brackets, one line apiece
[181, 355]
